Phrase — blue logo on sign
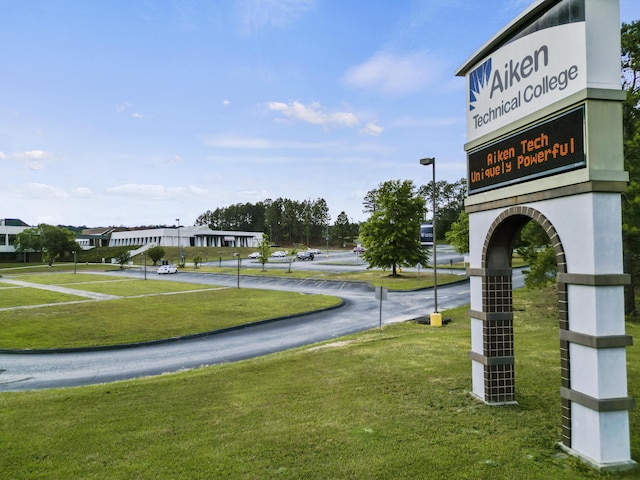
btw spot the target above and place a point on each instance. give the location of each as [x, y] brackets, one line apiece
[478, 79]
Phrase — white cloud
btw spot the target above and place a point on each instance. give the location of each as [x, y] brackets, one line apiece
[174, 160]
[34, 159]
[226, 102]
[394, 74]
[158, 192]
[123, 107]
[256, 15]
[409, 121]
[313, 113]
[83, 192]
[2, 156]
[39, 190]
[239, 142]
[372, 129]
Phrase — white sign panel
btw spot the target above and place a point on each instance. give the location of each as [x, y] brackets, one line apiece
[524, 76]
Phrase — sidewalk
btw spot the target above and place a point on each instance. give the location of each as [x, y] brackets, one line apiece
[56, 288]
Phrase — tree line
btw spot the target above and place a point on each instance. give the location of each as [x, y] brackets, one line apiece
[283, 220]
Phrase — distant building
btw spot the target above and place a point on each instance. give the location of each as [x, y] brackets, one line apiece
[185, 236]
[9, 228]
[94, 237]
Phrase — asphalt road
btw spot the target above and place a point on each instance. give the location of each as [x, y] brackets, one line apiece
[32, 371]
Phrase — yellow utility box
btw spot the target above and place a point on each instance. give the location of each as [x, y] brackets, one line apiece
[436, 319]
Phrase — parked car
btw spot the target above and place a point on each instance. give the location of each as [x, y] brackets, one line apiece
[279, 253]
[305, 256]
[167, 269]
[254, 255]
[358, 249]
[315, 251]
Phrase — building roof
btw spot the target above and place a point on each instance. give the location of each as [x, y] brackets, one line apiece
[12, 222]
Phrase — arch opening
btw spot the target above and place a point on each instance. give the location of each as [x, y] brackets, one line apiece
[497, 309]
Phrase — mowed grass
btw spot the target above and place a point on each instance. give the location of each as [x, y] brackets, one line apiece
[127, 320]
[407, 280]
[390, 404]
[126, 287]
[12, 296]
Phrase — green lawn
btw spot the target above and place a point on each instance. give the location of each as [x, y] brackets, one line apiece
[122, 286]
[129, 320]
[390, 404]
[14, 296]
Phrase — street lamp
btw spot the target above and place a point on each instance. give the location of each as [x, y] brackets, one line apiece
[239, 260]
[179, 247]
[436, 318]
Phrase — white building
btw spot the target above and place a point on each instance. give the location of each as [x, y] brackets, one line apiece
[185, 236]
[9, 228]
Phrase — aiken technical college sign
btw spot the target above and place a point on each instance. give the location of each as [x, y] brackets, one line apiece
[524, 76]
[547, 148]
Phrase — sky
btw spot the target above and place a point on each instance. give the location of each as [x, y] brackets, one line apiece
[141, 112]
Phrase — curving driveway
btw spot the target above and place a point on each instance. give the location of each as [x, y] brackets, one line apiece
[361, 311]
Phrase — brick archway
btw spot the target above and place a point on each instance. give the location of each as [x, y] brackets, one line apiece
[497, 308]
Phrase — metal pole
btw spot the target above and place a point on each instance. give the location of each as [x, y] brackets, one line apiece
[435, 253]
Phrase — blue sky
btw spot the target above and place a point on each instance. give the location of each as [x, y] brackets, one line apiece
[138, 112]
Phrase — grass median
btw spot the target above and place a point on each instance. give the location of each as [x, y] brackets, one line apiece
[148, 318]
[380, 404]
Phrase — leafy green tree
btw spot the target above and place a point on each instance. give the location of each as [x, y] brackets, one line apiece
[123, 258]
[264, 250]
[449, 202]
[535, 248]
[458, 234]
[28, 240]
[342, 229]
[391, 235]
[197, 260]
[155, 254]
[53, 242]
[630, 42]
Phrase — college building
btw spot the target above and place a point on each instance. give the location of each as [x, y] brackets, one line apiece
[200, 236]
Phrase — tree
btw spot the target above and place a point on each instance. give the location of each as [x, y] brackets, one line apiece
[535, 248]
[264, 249]
[458, 234]
[52, 242]
[342, 229]
[155, 254]
[449, 202]
[391, 235]
[123, 258]
[630, 42]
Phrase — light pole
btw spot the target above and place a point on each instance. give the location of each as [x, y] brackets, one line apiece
[436, 318]
[239, 260]
[179, 247]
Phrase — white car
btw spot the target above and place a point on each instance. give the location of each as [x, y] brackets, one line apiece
[167, 269]
[279, 253]
[315, 251]
[254, 255]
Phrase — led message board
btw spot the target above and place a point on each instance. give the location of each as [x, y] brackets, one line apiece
[547, 148]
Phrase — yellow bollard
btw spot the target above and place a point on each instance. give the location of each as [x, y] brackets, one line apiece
[436, 319]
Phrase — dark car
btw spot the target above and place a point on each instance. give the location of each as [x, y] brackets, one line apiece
[305, 256]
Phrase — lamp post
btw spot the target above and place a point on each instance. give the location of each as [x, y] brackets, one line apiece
[239, 260]
[179, 246]
[436, 318]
